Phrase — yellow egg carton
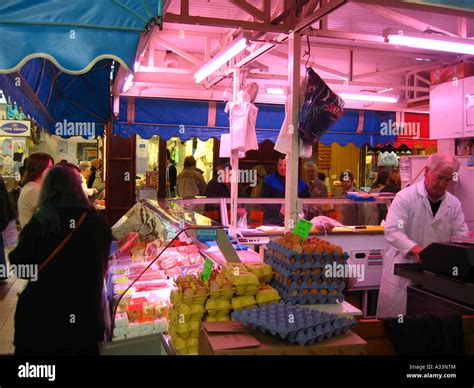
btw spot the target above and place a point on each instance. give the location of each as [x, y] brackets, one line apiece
[185, 330]
[267, 295]
[241, 302]
[186, 312]
[232, 269]
[184, 346]
[222, 294]
[263, 271]
[218, 308]
[223, 318]
[246, 289]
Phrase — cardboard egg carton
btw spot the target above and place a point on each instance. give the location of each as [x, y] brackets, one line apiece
[294, 323]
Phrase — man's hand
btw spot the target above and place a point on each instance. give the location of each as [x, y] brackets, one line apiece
[94, 191]
[415, 251]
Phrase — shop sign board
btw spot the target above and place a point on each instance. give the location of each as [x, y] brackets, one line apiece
[15, 128]
[467, 5]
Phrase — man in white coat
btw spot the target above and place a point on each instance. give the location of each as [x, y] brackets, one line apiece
[419, 215]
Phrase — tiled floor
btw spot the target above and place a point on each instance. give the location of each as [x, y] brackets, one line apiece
[8, 298]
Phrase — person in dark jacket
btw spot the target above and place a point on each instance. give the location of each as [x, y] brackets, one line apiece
[171, 175]
[59, 311]
[219, 187]
[7, 214]
[274, 187]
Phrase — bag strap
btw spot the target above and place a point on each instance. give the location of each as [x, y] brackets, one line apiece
[63, 243]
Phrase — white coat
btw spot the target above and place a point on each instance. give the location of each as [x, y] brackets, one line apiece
[410, 222]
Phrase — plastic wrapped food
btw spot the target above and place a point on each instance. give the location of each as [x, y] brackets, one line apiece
[321, 109]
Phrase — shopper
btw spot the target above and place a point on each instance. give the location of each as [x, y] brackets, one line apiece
[371, 210]
[394, 186]
[261, 173]
[190, 182]
[96, 165]
[352, 214]
[419, 215]
[316, 188]
[7, 215]
[85, 169]
[219, 187]
[171, 174]
[38, 165]
[60, 313]
[274, 187]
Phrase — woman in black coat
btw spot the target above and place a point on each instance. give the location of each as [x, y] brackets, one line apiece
[6, 215]
[60, 312]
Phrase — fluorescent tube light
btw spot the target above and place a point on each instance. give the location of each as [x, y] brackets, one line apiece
[276, 91]
[429, 41]
[368, 97]
[220, 59]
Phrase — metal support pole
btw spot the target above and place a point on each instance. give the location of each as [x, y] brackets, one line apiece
[291, 187]
[234, 162]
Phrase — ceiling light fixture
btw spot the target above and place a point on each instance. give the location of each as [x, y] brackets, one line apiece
[236, 47]
[276, 91]
[429, 41]
[368, 97]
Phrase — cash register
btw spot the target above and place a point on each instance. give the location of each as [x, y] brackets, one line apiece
[444, 282]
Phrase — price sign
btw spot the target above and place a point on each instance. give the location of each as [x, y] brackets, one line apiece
[303, 228]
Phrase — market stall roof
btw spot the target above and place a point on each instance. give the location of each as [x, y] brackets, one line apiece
[190, 118]
[74, 35]
[63, 104]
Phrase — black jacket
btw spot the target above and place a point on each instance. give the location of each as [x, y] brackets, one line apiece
[6, 209]
[60, 313]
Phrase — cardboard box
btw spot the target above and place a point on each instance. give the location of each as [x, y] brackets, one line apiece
[232, 338]
[448, 74]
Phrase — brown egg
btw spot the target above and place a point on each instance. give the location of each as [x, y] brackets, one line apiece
[320, 281]
[309, 281]
[299, 281]
[317, 271]
[318, 249]
[338, 250]
[324, 291]
[330, 280]
[314, 291]
[289, 281]
[305, 291]
[294, 293]
[298, 271]
[296, 239]
[308, 271]
[335, 292]
[298, 249]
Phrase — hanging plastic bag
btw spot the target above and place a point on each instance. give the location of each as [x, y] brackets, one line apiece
[320, 110]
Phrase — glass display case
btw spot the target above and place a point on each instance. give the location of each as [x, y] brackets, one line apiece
[156, 243]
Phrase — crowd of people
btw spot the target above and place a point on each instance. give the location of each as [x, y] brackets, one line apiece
[68, 240]
[190, 183]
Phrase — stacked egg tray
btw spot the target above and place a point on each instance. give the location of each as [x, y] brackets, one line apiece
[301, 279]
[296, 324]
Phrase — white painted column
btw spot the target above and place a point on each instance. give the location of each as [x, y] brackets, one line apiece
[234, 162]
[291, 188]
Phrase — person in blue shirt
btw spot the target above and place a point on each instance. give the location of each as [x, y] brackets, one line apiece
[274, 187]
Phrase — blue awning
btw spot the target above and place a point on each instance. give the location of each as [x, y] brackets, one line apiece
[56, 99]
[74, 35]
[187, 119]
